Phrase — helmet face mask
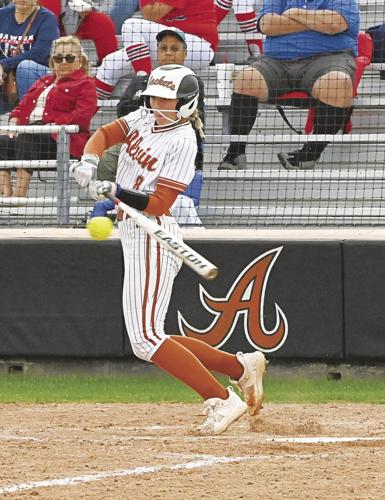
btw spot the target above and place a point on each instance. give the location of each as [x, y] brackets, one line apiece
[172, 116]
[173, 82]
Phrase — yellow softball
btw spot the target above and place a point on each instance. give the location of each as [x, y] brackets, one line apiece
[100, 228]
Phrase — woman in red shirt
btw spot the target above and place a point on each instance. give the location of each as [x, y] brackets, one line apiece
[65, 97]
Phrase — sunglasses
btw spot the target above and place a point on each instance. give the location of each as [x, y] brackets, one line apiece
[59, 58]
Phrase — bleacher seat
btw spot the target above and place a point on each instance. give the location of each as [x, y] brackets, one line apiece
[346, 188]
[301, 99]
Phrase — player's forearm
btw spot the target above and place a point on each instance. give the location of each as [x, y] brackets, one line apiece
[104, 138]
[96, 144]
[323, 21]
[157, 203]
[276, 24]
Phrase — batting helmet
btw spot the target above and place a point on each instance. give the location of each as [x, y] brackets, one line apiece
[173, 81]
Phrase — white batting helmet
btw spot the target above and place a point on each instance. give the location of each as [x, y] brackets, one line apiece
[173, 81]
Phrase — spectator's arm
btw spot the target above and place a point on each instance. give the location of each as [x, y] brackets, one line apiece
[279, 24]
[85, 107]
[13, 121]
[155, 11]
[324, 21]
[131, 100]
[40, 50]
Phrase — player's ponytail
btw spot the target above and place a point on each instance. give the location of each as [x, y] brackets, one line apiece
[198, 124]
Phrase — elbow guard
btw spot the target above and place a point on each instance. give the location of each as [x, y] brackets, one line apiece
[134, 199]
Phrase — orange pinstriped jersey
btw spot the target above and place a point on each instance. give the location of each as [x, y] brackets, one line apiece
[151, 158]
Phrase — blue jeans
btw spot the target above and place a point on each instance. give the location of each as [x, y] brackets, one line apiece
[27, 72]
[122, 10]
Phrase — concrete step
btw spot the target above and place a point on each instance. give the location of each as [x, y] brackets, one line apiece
[289, 215]
[312, 186]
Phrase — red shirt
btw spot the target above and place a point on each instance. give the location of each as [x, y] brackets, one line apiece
[197, 17]
[72, 101]
[96, 26]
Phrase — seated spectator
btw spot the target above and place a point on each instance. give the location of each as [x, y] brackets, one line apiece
[246, 18]
[65, 97]
[309, 50]
[196, 19]
[27, 32]
[79, 18]
[172, 49]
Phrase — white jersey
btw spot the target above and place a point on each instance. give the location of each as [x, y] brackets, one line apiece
[154, 157]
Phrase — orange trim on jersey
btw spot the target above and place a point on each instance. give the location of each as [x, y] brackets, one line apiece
[179, 186]
[106, 136]
[124, 125]
[145, 295]
[160, 201]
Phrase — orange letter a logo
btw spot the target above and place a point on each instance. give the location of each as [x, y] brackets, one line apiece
[246, 296]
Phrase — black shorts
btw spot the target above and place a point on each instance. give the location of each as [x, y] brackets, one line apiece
[291, 75]
[27, 147]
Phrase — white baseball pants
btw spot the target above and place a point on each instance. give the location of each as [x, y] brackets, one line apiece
[149, 273]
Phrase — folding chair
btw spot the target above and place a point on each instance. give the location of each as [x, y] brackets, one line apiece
[303, 100]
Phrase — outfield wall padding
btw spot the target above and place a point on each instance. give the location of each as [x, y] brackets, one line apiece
[61, 298]
[295, 300]
[364, 285]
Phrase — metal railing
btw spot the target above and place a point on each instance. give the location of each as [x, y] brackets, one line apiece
[61, 164]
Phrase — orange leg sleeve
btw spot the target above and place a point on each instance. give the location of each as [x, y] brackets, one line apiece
[178, 361]
[212, 358]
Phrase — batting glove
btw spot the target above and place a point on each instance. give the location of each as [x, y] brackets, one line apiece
[84, 170]
[98, 189]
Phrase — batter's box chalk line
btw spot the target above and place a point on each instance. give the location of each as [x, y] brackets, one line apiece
[323, 439]
[139, 471]
[7, 437]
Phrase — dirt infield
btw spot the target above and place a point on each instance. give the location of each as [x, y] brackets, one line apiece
[118, 451]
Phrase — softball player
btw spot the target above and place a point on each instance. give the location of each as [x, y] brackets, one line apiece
[156, 163]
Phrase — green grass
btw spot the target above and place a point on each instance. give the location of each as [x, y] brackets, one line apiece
[159, 388]
[325, 391]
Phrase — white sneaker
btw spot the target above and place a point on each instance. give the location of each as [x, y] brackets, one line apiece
[251, 381]
[221, 413]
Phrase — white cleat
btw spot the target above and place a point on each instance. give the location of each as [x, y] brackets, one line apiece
[251, 381]
[221, 413]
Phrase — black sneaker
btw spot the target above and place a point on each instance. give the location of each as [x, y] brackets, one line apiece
[301, 159]
[229, 163]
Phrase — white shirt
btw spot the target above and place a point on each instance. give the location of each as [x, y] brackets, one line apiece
[38, 110]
